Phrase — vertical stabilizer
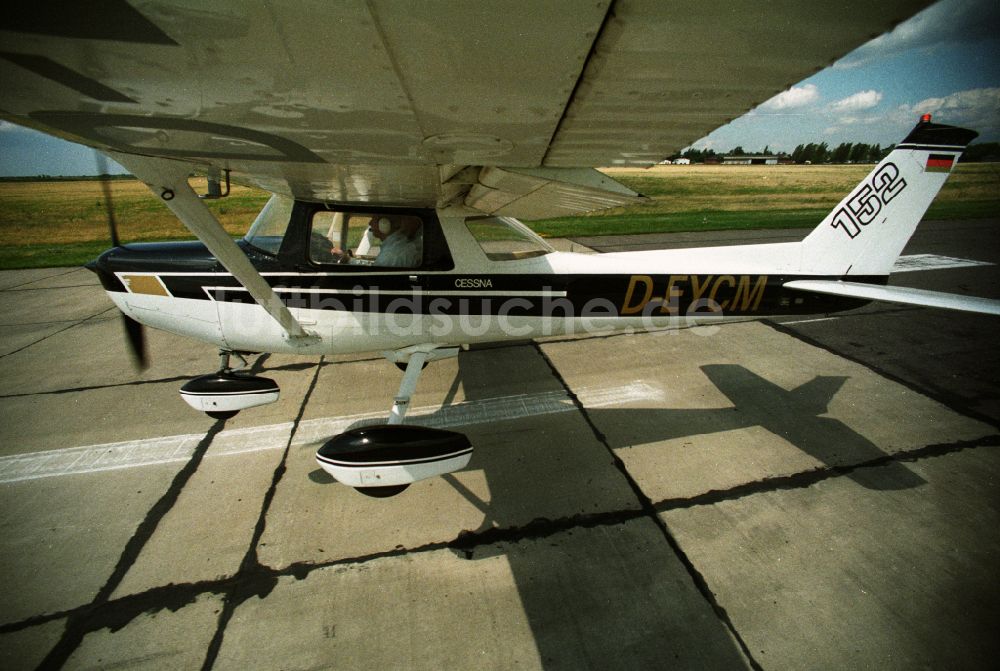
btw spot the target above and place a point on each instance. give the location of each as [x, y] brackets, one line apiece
[867, 231]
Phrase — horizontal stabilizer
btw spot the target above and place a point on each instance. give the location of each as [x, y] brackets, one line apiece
[931, 299]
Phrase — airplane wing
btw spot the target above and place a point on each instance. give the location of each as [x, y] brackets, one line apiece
[497, 105]
[905, 295]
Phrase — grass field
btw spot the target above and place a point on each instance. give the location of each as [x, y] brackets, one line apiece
[65, 223]
[707, 197]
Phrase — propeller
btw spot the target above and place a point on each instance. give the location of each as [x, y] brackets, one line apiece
[134, 333]
[136, 336]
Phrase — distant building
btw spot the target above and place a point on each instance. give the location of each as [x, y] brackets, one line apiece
[682, 161]
[749, 160]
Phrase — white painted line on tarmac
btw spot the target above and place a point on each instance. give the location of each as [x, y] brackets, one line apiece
[98, 457]
[486, 410]
[811, 321]
[912, 262]
[179, 448]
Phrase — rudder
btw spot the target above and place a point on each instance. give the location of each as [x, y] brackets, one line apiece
[868, 229]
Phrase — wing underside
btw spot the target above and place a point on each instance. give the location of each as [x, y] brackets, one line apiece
[388, 101]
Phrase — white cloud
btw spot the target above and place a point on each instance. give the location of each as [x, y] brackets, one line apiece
[978, 109]
[797, 96]
[853, 120]
[862, 100]
[974, 100]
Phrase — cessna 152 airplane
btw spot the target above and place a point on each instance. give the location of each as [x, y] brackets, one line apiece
[402, 144]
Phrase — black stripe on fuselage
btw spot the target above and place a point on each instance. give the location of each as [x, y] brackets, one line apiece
[528, 295]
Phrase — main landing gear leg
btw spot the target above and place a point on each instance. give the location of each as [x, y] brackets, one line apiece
[385, 459]
[416, 359]
[224, 356]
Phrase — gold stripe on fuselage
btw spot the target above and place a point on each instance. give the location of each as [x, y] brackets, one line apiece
[145, 284]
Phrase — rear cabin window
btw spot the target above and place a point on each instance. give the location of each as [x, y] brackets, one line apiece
[366, 239]
[506, 239]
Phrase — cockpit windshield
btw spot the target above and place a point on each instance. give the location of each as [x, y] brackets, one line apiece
[268, 229]
[506, 238]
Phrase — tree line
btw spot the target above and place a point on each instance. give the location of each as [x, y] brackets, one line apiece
[845, 152]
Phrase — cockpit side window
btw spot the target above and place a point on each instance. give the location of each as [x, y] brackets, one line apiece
[506, 239]
[268, 229]
[366, 239]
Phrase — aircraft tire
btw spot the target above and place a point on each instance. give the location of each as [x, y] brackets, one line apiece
[382, 492]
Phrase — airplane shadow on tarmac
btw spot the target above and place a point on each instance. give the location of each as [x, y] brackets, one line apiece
[794, 415]
[614, 593]
[574, 609]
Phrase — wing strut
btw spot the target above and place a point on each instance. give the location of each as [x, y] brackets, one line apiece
[168, 180]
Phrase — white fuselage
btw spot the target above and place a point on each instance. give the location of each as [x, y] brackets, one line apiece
[247, 327]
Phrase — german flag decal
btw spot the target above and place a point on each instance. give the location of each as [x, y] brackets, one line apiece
[940, 163]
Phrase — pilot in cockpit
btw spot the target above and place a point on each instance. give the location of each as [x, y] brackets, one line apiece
[400, 243]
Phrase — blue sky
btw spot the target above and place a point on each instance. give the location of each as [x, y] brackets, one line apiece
[945, 60]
